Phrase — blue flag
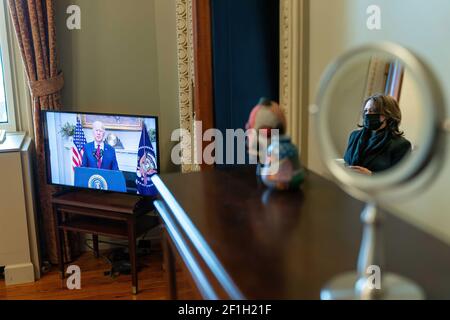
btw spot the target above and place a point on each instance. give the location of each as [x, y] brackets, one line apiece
[146, 165]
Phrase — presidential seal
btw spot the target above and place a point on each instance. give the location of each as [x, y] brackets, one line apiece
[97, 182]
[147, 166]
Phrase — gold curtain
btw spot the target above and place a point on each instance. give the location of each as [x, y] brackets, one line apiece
[34, 23]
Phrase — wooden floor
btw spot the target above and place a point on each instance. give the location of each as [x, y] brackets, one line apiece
[94, 284]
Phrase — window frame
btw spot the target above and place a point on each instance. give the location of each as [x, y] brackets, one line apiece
[8, 69]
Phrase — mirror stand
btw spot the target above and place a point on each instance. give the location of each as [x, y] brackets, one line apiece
[369, 282]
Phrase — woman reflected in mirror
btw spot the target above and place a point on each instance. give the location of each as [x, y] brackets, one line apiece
[379, 144]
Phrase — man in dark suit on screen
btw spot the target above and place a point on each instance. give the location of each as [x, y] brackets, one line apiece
[98, 154]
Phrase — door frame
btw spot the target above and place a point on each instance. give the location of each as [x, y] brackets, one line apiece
[203, 69]
[294, 70]
[196, 100]
[195, 83]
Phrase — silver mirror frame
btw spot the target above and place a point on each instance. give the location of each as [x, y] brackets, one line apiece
[354, 285]
[370, 188]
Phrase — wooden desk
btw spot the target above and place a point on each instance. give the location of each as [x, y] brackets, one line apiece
[231, 238]
[112, 215]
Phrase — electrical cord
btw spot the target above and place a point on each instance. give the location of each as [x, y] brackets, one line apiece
[113, 273]
[93, 250]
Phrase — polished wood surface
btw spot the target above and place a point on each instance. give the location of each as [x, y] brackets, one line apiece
[288, 245]
[180, 284]
[94, 284]
[115, 202]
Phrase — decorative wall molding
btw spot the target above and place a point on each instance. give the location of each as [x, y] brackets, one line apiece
[186, 76]
[294, 58]
[294, 69]
[285, 53]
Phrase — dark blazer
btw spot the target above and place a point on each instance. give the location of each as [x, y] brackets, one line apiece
[109, 160]
[391, 154]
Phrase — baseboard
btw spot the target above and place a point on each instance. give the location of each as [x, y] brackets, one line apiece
[19, 274]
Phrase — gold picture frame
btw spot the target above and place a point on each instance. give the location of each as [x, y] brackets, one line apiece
[121, 123]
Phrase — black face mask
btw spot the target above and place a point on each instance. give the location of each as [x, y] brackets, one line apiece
[372, 121]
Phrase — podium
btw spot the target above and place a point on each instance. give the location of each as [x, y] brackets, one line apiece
[100, 179]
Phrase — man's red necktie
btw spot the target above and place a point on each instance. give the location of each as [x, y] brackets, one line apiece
[99, 157]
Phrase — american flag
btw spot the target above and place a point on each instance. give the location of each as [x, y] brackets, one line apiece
[79, 141]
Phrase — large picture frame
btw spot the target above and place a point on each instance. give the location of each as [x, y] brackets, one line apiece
[112, 122]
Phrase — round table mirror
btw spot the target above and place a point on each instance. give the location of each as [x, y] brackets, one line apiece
[379, 116]
[380, 121]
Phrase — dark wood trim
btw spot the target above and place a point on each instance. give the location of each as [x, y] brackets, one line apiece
[120, 218]
[169, 266]
[196, 253]
[184, 283]
[200, 278]
[203, 83]
[283, 245]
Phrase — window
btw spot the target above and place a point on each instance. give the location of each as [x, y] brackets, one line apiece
[3, 106]
[7, 116]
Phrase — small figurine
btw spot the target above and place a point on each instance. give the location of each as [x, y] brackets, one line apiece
[282, 170]
[265, 117]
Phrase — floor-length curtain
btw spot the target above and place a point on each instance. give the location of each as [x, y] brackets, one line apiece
[34, 23]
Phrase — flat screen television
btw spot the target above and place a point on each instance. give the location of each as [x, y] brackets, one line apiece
[109, 152]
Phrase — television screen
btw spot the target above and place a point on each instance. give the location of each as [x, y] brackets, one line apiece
[117, 153]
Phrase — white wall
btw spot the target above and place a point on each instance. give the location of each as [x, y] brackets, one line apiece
[339, 25]
[412, 110]
[123, 60]
[349, 96]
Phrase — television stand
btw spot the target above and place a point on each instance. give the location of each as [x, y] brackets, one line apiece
[119, 216]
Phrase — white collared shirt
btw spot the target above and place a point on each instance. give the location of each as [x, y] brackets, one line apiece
[102, 145]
